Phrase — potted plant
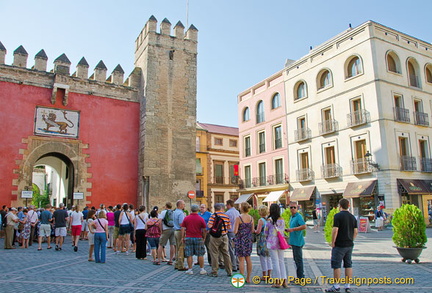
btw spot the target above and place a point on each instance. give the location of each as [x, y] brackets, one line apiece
[409, 232]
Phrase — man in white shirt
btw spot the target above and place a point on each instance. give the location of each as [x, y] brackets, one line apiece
[33, 216]
[232, 213]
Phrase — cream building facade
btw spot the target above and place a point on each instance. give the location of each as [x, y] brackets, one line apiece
[357, 110]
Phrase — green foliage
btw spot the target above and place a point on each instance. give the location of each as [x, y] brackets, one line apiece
[286, 215]
[409, 228]
[255, 215]
[329, 225]
[39, 200]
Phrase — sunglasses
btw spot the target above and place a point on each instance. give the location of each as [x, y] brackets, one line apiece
[293, 207]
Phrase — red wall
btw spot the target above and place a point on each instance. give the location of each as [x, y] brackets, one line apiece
[110, 127]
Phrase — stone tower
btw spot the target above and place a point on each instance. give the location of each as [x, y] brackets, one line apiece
[167, 94]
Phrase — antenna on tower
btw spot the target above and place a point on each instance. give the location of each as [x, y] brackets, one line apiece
[187, 13]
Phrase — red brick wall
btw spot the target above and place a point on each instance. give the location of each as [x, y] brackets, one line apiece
[110, 128]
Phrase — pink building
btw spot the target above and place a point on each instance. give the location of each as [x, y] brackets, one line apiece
[263, 143]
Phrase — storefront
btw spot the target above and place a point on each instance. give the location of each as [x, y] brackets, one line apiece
[416, 192]
[364, 198]
[306, 197]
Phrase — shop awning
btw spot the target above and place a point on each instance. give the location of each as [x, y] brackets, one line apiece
[414, 186]
[360, 189]
[428, 184]
[302, 194]
[274, 196]
[243, 198]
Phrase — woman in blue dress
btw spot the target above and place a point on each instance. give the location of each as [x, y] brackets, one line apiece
[243, 229]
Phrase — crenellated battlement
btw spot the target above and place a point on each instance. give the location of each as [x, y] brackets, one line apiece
[62, 66]
[150, 35]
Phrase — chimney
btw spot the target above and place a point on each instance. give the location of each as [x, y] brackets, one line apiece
[20, 57]
[41, 61]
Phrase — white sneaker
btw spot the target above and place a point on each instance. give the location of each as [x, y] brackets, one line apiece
[203, 272]
[189, 272]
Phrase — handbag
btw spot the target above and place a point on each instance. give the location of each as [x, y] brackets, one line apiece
[282, 241]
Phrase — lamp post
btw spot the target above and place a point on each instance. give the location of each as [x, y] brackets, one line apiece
[368, 157]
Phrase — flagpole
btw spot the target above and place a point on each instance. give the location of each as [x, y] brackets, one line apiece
[187, 14]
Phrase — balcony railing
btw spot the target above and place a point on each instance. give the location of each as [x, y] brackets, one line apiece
[245, 183]
[262, 148]
[401, 114]
[218, 179]
[408, 163]
[426, 164]
[331, 171]
[327, 126]
[305, 174]
[421, 118]
[414, 81]
[361, 166]
[247, 152]
[277, 179]
[302, 134]
[358, 118]
[199, 193]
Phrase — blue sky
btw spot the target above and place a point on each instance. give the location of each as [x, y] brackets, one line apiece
[241, 42]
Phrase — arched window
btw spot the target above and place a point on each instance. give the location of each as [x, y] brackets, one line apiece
[324, 79]
[260, 112]
[413, 73]
[393, 63]
[354, 67]
[428, 73]
[276, 101]
[300, 90]
[246, 115]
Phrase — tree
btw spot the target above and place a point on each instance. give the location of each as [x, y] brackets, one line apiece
[40, 200]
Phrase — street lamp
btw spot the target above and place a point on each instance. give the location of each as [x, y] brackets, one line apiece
[368, 157]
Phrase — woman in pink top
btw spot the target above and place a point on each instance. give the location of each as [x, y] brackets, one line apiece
[111, 225]
[100, 237]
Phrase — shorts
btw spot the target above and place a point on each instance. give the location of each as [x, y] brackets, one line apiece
[76, 230]
[91, 238]
[341, 253]
[116, 232]
[124, 229]
[315, 222]
[60, 231]
[45, 230]
[194, 246]
[167, 234]
[153, 242]
[85, 226]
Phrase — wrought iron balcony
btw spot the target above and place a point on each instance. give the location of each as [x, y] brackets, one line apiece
[401, 114]
[331, 171]
[421, 118]
[361, 166]
[408, 163]
[327, 126]
[305, 174]
[302, 134]
[426, 164]
[277, 179]
[359, 117]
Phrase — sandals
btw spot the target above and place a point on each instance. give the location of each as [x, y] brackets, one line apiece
[156, 263]
[49, 247]
[170, 263]
[39, 248]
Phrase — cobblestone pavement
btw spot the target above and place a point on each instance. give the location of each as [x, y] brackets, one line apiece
[68, 271]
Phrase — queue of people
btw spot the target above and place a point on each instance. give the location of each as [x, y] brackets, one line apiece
[226, 236]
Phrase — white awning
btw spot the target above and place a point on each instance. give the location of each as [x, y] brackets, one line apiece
[243, 198]
[274, 196]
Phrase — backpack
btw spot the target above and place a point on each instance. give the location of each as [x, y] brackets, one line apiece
[216, 229]
[168, 219]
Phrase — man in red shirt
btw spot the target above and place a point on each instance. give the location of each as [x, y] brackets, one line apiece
[193, 229]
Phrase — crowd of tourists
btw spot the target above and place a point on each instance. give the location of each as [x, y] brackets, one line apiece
[226, 236]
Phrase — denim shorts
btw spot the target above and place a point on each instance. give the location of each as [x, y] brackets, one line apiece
[339, 254]
[154, 242]
[124, 229]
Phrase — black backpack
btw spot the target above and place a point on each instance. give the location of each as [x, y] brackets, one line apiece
[216, 229]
